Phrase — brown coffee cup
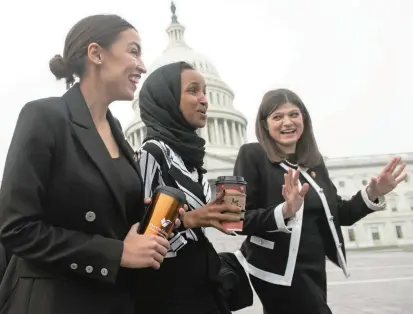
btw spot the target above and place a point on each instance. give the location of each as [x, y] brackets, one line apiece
[235, 194]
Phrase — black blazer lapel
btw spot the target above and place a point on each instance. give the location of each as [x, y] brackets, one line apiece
[86, 132]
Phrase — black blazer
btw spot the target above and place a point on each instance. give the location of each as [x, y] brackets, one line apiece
[62, 213]
[269, 250]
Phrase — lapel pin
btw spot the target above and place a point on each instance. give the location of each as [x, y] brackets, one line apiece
[313, 174]
[135, 158]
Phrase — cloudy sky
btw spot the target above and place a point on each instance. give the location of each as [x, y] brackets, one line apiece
[350, 61]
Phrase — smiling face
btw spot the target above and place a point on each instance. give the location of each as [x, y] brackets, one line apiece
[286, 125]
[120, 67]
[194, 104]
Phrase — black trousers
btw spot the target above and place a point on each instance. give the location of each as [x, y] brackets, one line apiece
[302, 297]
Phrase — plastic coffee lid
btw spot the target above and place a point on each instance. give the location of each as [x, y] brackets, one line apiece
[230, 180]
[171, 191]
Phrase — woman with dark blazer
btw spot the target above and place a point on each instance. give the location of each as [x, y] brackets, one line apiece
[294, 214]
[72, 189]
[173, 106]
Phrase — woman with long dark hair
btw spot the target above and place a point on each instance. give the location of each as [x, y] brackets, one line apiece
[72, 191]
[294, 214]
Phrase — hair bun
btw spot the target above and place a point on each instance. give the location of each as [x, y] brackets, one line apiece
[58, 67]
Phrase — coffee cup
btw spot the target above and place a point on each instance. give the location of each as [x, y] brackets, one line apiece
[235, 194]
[162, 212]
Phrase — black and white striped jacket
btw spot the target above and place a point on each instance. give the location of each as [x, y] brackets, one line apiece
[160, 165]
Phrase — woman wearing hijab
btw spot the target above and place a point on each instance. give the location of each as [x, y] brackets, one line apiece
[294, 214]
[173, 106]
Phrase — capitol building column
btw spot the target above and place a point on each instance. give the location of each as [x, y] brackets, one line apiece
[217, 135]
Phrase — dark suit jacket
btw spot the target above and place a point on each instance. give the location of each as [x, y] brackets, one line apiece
[266, 247]
[62, 213]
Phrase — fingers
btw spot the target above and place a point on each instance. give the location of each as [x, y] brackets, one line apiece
[395, 162]
[291, 183]
[181, 212]
[286, 186]
[134, 228]
[226, 208]
[291, 179]
[288, 178]
[391, 165]
[147, 200]
[162, 242]
[177, 223]
[155, 264]
[219, 227]
[158, 257]
[284, 191]
[159, 247]
[399, 170]
[295, 178]
[161, 250]
[373, 183]
[402, 178]
[228, 217]
[304, 190]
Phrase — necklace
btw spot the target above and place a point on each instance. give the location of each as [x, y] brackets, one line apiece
[291, 164]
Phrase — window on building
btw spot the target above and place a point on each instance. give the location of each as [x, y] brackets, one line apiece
[375, 233]
[391, 199]
[341, 184]
[399, 232]
[351, 235]
[393, 205]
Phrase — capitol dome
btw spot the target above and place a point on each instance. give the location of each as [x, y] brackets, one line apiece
[225, 130]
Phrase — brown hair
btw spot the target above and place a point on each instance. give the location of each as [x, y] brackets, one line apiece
[307, 151]
[100, 29]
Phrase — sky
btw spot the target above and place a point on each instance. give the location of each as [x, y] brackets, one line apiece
[350, 61]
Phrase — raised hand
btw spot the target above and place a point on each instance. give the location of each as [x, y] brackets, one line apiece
[387, 180]
[293, 195]
[212, 215]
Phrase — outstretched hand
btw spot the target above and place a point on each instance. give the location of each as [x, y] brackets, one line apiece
[293, 195]
[387, 180]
